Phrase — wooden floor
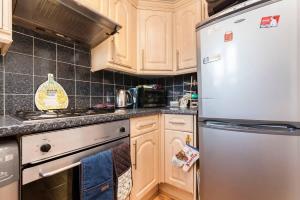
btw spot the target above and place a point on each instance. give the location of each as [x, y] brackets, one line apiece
[162, 197]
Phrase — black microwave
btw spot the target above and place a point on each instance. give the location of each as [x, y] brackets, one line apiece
[150, 97]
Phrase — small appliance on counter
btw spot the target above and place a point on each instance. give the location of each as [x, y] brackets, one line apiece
[151, 96]
[123, 99]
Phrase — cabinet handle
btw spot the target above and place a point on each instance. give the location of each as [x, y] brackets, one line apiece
[113, 48]
[145, 124]
[177, 59]
[135, 155]
[143, 59]
[177, 122]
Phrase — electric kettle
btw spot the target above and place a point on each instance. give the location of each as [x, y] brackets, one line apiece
[123, 99]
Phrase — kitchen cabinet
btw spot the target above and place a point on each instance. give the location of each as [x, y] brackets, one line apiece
[174, 142]
[100, 6]
[157, 37]
[144, 164]
[5, 25]
[119, 51]
[144, 133]
[185, 20]
[204, 10]
[177, 131]
[91, 4]
[154, 42]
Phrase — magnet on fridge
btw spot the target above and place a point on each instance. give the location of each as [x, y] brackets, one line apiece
[228, 37]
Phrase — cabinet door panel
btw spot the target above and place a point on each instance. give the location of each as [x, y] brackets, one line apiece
[144, 151]
[91, 4]
[186, 20]
[124, 46]
[174, 142]
[155, 40]
[104, 7]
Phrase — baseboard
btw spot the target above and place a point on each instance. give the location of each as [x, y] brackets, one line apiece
[174, 192]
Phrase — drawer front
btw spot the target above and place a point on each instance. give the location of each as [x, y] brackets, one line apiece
[142, 125]
[179, 123]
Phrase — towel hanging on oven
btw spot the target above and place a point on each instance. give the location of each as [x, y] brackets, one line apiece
[97, 181]
[122, 171]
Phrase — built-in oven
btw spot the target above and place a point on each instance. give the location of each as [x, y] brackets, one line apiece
[51, 161]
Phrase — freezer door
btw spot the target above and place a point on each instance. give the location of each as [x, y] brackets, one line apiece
[248, 166]
[251, 72]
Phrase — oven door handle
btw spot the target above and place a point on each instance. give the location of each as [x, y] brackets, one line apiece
[47, 174]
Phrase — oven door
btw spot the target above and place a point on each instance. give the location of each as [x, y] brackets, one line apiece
[58, 179]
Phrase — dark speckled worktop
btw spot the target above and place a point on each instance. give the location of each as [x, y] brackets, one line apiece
[10, 126]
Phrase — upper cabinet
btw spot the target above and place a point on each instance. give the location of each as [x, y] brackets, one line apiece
[104, 7]
[100, 6]
[156, 38]
[154, 41]
[204, 10]
[185, 20]
[119, 51]
[5, 25]
[124, 41]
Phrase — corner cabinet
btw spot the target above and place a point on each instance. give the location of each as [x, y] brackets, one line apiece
[177, 131]
[156, 38]
[119, 51]
[154, 42]
[185, 20]
[5, 25]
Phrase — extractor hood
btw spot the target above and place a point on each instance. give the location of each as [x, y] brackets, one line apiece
[65, 18]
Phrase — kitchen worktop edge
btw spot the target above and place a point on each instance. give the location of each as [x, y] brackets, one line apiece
[10, 126]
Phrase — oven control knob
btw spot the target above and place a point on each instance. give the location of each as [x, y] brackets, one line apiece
[45, 148]
[122, 130]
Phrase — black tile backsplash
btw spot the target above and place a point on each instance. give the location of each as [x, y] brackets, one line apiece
[32, 56]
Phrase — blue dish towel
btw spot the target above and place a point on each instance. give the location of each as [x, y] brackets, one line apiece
[97, 177]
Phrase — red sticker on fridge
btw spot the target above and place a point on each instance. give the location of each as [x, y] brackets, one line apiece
[228, 37]
[270, 21]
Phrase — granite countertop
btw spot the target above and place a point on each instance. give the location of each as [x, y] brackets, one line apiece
[10, 126]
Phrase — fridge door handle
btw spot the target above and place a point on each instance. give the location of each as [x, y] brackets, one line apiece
[217, 123]
[272, 126]
[223, 124]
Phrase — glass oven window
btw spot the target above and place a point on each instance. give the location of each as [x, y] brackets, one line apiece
[62, 186]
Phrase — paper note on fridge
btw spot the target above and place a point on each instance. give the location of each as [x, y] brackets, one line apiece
[211, 59]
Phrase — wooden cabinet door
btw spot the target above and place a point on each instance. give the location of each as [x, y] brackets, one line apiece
[100, 6]
[204, 10]
[185, 37]
[155, 41]
[104, 7]
[91, 4]
[144, 154]
[124, 46]
[5, 25]
[174, 142]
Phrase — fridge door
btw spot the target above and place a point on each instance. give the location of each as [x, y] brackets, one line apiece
[249, 72]
[241, 165]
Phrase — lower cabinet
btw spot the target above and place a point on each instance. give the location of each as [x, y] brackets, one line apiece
[144, 155]
[174, 142]
[154, 141]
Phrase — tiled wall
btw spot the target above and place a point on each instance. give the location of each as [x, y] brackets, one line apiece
[32, 56]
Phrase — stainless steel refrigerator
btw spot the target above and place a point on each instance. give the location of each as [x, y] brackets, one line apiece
[249, 105]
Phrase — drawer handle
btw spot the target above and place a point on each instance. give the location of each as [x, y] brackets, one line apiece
[177, 122]
[146, 124]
